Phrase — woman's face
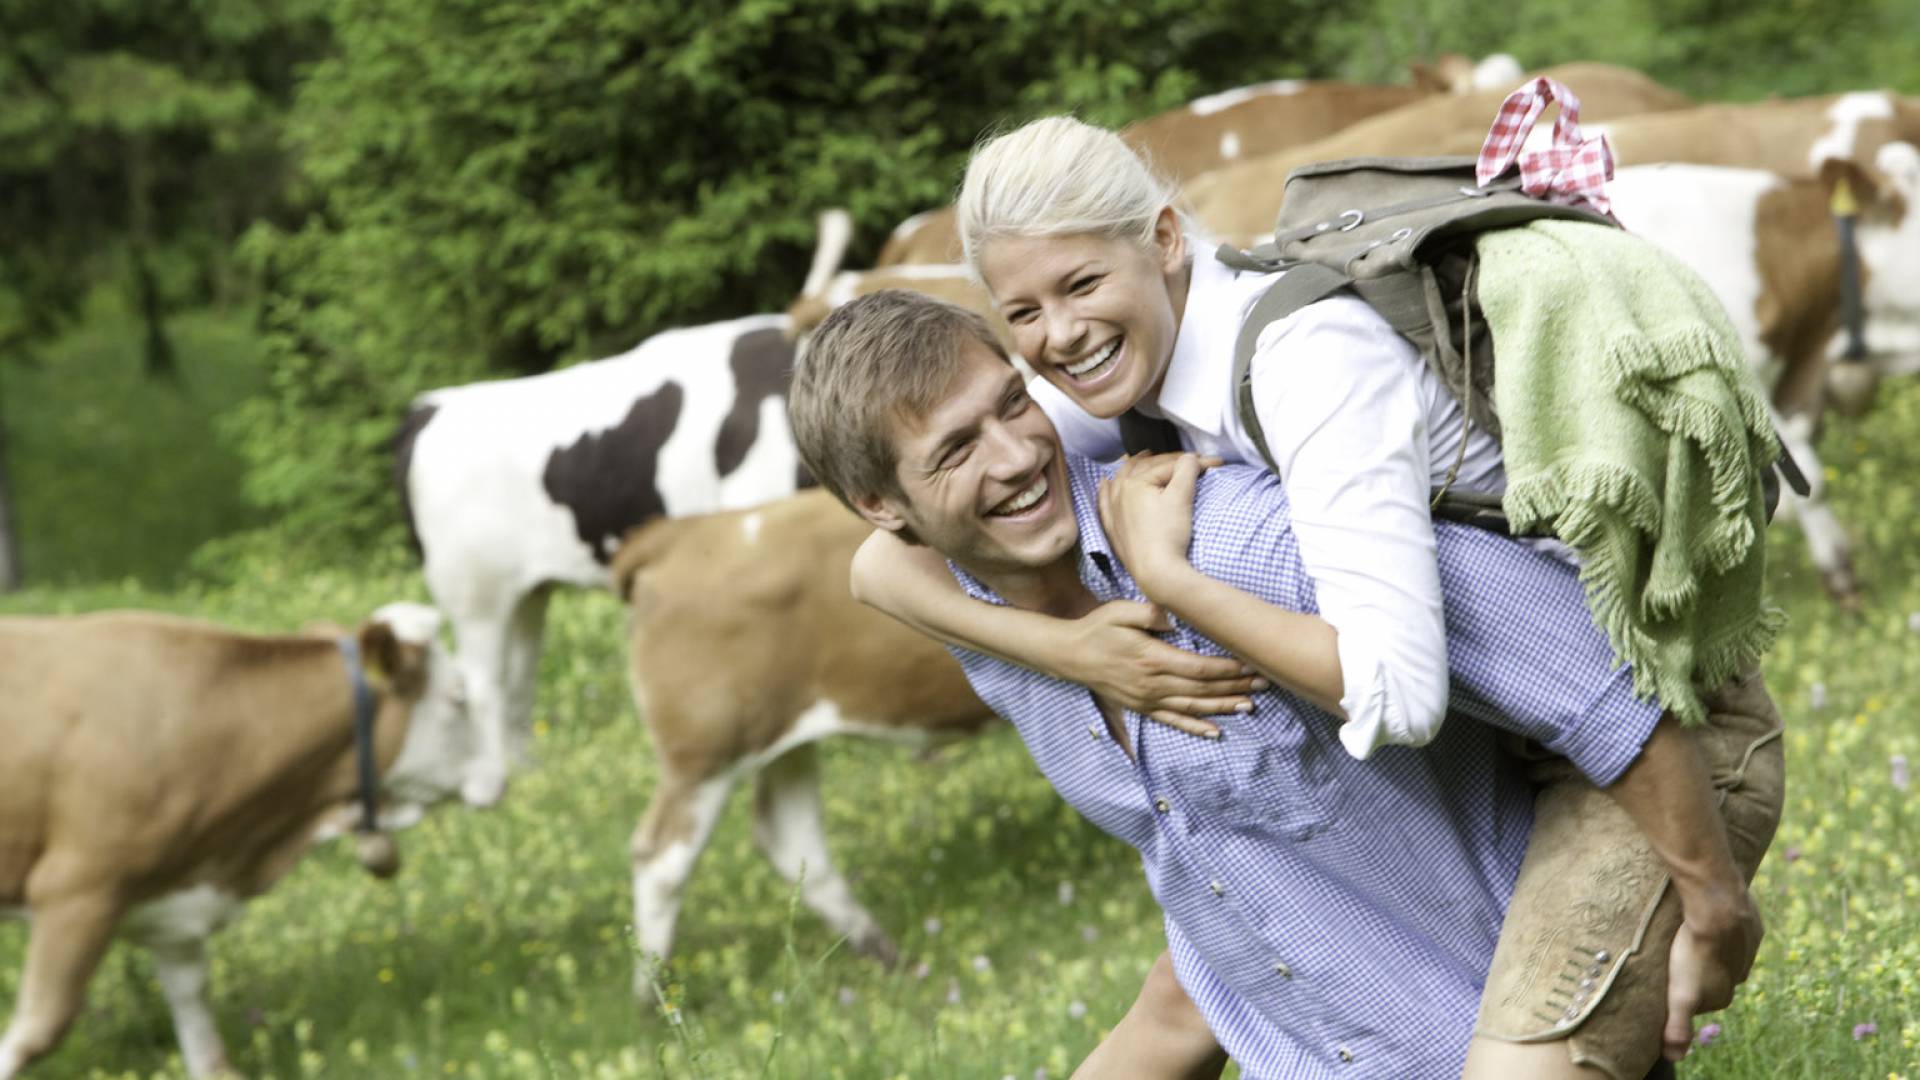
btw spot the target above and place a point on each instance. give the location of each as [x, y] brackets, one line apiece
[1094, 315]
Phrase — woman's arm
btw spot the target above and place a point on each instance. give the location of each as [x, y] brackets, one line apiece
[1110, 650]
[1341, 398]
[1147, 509]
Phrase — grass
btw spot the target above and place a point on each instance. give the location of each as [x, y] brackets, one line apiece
[502, 948]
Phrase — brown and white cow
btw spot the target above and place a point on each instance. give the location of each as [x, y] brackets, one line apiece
[1766, 245]
[1791, 138]
[950, 282]
[1239, 202]
[1204, 134]
[516, 486]
[159, 772]
[746, 649]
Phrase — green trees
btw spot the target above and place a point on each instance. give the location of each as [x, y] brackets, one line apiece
[503, 186]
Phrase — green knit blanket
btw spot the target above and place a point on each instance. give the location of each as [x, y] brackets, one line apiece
[1634, 431]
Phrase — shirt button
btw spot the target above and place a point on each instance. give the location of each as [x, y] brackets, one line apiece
[1280, 968]
[1161, 804]
[1346, 1055]
[1219, 887]
[1094, 730]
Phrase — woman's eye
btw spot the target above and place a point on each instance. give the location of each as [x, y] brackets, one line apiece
[1081, 285]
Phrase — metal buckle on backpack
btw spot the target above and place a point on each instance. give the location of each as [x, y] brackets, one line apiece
[1357, 216]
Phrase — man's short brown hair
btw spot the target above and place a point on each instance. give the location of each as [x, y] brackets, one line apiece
[888, 355]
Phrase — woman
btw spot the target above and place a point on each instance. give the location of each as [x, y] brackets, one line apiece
[1093, 267]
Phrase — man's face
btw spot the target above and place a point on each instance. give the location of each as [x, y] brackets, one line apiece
[983, 473]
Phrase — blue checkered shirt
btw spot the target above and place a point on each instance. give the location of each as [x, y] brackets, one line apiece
[1332, 917]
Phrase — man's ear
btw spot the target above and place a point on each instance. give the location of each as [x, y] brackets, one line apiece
[880, 511]
[1169, 240]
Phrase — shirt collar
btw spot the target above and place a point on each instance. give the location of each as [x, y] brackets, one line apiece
[1198, 385]
[1100, 569]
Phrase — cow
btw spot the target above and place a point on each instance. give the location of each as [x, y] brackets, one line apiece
[161, 771]
[951, 282]
[513, 487]
[1791, 138]
[1239, 202]
[1766, 245]
[747, 648]
[1204, 134]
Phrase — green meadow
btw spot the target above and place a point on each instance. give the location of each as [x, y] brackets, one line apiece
[502, 949]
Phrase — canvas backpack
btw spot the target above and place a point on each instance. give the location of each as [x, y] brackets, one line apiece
[1398, 233]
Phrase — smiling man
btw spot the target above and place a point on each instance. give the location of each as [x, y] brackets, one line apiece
[1327, 916]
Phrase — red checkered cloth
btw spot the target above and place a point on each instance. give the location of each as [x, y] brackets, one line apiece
[1572, 171]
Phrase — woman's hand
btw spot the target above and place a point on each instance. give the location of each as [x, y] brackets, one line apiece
[1112, 651]
[1147, 510]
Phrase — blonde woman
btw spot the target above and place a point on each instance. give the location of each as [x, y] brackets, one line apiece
[1091, 262]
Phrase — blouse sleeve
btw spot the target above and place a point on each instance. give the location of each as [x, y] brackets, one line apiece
[1338, 396]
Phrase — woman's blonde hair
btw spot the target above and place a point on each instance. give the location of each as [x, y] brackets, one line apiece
[1057, 176]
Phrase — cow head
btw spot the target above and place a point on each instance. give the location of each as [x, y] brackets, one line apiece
[400, 648]
[1889, 230]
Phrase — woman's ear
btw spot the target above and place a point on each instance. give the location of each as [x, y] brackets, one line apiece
[1169, 240]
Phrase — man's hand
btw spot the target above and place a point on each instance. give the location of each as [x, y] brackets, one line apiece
[1112, 651]
[1713, 952]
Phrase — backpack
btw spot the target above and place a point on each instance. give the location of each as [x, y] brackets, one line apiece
[1399, 233]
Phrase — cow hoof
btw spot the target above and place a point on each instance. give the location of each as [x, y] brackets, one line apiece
[874, 944]
[484, 787]
[1851, 386]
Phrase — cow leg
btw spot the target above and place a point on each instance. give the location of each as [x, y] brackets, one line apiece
[787, 826]
[666, 845]
[482, 636]
[525, 635]
[64, 945]
[1827, 541]
[181, 966]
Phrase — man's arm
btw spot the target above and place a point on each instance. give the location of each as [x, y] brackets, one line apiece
[1668, 793]
[1162, 1037]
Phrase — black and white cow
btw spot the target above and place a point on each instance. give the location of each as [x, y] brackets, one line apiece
[516, 486]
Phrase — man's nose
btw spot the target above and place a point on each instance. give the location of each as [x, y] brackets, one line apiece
[1012, 455]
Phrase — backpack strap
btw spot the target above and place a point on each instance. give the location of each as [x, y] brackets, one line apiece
[1299, 286]
[1140, 433]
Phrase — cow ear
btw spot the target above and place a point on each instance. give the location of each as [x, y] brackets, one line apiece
[379, 651]
[392, 662]
[1851, 187]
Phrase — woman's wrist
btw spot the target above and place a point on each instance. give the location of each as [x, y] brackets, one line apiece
[1166, 582]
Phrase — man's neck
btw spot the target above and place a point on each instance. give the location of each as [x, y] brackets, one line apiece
[1054, 589]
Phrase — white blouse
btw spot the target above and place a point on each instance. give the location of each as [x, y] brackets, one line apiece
[1362, 432]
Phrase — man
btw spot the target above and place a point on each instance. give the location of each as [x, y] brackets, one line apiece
[1327, 916]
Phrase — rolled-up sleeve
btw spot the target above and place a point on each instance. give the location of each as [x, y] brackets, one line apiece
[1337, 393]
[1527, 657]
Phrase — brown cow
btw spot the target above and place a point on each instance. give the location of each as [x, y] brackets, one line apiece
[1791, 138]
[1185, 142]
[1239, 202]
[746, 649]
[159, 772]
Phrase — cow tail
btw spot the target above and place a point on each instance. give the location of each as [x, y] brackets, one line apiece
[642, 547]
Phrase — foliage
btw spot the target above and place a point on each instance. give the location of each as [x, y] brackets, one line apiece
[502, 950]
[508, 185]
[116, 474]
[1713, 49]
[137, 130]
